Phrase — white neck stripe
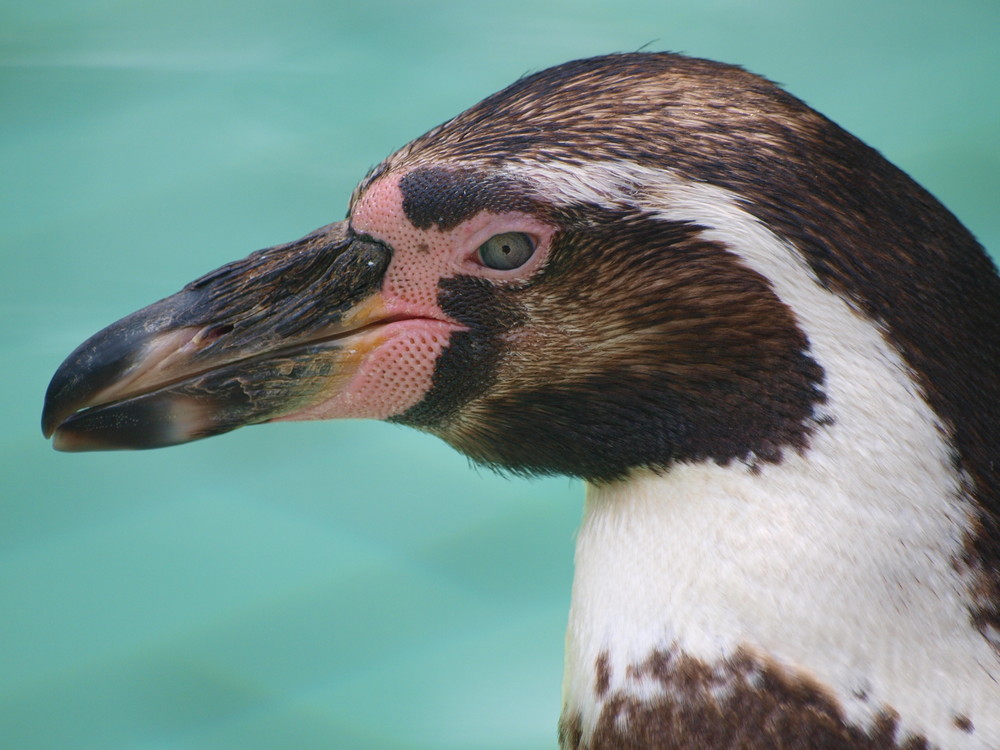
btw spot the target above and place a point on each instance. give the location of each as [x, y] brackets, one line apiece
[837, 563]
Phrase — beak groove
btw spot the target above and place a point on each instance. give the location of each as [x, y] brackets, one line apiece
[246, 343]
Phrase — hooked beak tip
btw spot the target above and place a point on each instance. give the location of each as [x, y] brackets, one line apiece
[242, 345]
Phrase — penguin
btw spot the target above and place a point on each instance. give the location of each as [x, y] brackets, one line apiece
[770, 354]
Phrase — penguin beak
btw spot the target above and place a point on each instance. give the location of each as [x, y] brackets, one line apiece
[253, 341]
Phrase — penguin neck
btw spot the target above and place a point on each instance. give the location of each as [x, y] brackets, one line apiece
[825, 590]
[830, 574]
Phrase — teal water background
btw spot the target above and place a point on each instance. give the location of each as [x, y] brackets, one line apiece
[330, 585]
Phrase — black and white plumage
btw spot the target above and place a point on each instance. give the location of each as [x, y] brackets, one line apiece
[770, 353]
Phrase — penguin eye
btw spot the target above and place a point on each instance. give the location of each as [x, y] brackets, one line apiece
[506, 251]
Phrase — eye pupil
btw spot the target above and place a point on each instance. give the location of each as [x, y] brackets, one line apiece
[506, 251]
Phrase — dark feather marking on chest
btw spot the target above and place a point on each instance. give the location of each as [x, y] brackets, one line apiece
[739, 703]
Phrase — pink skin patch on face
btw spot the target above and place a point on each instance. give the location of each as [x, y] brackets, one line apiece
[422, 257]
[389, 368]
[381, 372]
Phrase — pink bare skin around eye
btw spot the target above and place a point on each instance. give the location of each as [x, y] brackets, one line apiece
[394, 363]
[422, 257]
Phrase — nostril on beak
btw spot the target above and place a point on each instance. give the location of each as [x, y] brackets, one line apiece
[210, 335]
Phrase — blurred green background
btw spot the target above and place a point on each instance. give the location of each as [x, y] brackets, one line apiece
[330, 585]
